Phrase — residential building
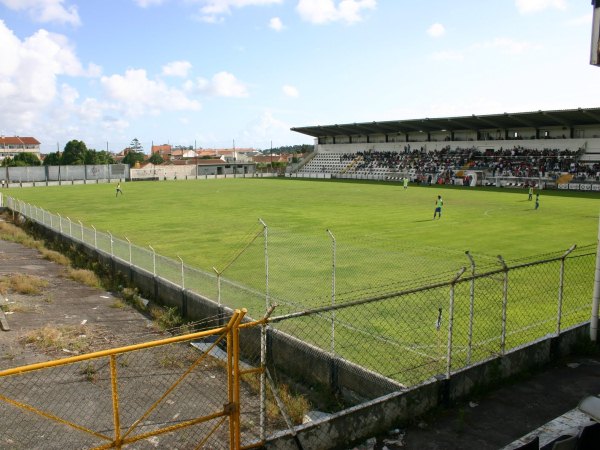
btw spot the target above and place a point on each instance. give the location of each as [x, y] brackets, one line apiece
[12, 146]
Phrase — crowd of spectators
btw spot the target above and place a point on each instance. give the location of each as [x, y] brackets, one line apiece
[442, 165]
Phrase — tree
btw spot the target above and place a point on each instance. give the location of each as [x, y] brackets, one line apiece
[52, 159]
[99, 157]
[21, 160]
[156, 159]
[75, 153]
[136, 146]
[132, 157]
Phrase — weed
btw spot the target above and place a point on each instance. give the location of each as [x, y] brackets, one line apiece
[118, 304]
[27, 284]
[89, 371]
[296, 406]
[166, 317]
[54, 256]
[84, 276]
[22, 284]
[132, 296]
[70, 338]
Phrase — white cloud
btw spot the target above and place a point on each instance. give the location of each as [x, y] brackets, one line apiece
[213, 10]
[137, 94]
[146, 3]
[222, 84]
[276, 24]
[506, 45]
[29, 73]
[532, 6]
[46, 10]
[177, 69]
[582, 20]
[290, 91]
[448, 55]
[325, 11]
[264, 128]
[436, 30]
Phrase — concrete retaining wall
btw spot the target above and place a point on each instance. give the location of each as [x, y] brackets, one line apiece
[352, 425]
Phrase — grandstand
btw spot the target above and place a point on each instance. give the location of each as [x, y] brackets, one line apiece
[546, 149]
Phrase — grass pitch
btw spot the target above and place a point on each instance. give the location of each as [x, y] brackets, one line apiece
[382, 233]
[206, 221]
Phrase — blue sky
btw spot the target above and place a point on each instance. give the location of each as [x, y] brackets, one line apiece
[212, 72]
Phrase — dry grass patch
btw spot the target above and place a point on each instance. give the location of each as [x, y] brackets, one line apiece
[56, 257]
[13, 233]
[296, 406]
[118, 304]
[73, 339]
[84, 276]
[22, 284]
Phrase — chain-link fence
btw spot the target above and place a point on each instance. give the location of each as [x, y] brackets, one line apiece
[166, 394]
[412, 334]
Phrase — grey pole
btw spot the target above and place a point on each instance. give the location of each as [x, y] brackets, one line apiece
[561, 288]
[95, 237]
[451, 322]
[218, 286]
[81, 225]
[333, 292]
[129, 242]
[504, 305]
[153, 260]
[182, 273]
[266, 235]
[111, 243]
[596, 297]
[59, 222]
[471, 307]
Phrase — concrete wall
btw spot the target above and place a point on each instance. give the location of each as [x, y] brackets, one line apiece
[352, 425]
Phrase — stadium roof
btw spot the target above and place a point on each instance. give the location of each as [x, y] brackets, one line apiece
[538, 119]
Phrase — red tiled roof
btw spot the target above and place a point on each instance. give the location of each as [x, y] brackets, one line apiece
[18, 140]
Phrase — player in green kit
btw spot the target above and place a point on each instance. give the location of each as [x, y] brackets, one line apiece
[438, 207]
[405, 182]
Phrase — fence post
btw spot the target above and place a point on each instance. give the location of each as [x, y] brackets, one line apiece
[111, 243]
[129, 242]
[59, 222]
[182, 273]
[332, 292]
[451, 322]
[81, 225]
[471, 307]
[70, 227]
[95, 237]
[218, 286]
[504, 305]
[266, 236]
[51, 221]
[153, 260]
[596, 297]
[561, 288]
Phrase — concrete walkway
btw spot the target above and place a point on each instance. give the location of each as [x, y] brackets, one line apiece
[541, 404]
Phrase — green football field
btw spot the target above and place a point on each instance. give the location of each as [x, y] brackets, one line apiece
[205, 221]
[383, 233]
[382, 239]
